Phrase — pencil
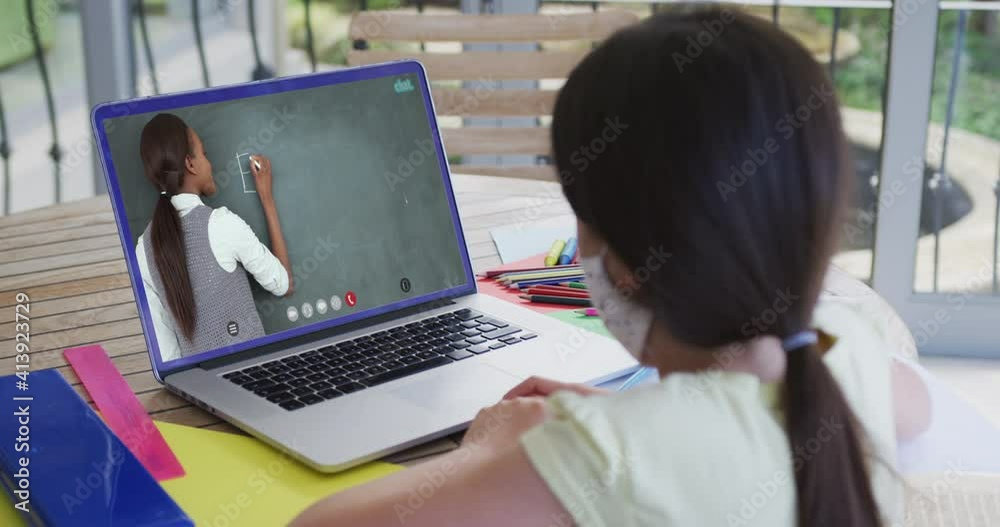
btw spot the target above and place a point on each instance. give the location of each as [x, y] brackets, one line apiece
[575, 285]
[588, 312]
[565, 274]
[561, 289]
[497, 272]
[524, 284]
[568, 274]
[546, 299]
[552, 292]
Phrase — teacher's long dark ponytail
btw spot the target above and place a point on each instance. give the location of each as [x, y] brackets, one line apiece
[715, 137]
[164, 147]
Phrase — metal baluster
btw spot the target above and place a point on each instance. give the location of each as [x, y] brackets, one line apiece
[199, 43]
[833, 45]
[942, 182]
[260, 71]
[55, 153]
[140, 9]
[593, 7]
[5, 154]
[420, 9]
[133, 60]
[874, 181]
[774, 12]
[361, 44]
[996, 238]
[309, 35]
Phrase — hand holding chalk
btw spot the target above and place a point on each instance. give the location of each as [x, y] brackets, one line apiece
[260, 166]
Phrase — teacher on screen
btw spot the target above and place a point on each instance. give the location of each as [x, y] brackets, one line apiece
[194, 259]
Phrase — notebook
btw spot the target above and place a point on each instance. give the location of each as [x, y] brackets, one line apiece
[61, 465]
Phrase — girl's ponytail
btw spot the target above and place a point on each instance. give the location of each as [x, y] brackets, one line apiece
[164, 148]
[829, 461]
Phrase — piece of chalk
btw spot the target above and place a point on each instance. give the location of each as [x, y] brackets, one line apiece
[256, 164]
[554, 252]
[568, 252]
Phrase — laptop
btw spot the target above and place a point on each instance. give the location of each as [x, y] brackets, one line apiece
[384, 343]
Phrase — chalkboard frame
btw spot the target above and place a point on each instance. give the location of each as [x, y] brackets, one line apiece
[110, 110]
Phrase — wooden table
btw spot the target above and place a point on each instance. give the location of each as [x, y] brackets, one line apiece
[68, 259]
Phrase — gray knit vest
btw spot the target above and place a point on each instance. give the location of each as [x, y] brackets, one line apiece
[225, 313]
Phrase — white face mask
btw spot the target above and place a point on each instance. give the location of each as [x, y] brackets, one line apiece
[627, 321]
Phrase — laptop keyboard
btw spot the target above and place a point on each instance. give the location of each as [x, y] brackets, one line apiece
[317, 375]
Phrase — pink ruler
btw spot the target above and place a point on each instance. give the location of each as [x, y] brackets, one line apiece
[123, 412]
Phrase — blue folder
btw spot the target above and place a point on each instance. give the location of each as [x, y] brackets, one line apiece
[66, 467]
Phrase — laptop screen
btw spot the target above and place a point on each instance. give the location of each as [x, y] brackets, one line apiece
[359, 193]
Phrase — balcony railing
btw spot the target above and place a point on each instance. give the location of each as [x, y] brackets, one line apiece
[938, 183]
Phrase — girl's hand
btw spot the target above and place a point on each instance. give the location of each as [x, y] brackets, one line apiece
[501, 425]
[260, 166]
[542, 387]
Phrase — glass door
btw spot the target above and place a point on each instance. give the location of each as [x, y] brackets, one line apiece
[937, 240]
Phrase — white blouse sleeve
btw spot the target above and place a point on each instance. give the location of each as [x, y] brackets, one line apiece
[233, 241]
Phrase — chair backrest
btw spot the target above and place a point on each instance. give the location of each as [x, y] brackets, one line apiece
[484, 101]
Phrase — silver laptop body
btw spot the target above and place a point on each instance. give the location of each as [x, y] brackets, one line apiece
[442, 391]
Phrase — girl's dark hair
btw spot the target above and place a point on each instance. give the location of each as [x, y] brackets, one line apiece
[164, 147]
[715, 137]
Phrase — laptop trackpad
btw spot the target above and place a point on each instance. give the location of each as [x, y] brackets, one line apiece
[462, 391]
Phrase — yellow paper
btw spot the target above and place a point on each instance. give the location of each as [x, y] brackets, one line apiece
[237, 481]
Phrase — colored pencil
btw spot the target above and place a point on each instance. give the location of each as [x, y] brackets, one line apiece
[493, 273]
[588, 312]
[555, 252]
[523, 284]
[540, 273]
[561, 289]
[550, 292]
[546, 299]
[562, 275]
[575, 285]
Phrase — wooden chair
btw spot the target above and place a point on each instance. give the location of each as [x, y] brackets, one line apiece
[393, 26]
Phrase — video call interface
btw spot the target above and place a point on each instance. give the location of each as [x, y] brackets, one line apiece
[357, 185]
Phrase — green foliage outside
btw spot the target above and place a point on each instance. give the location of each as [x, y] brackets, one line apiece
[16, 44]
[861, 79]
[329, 25]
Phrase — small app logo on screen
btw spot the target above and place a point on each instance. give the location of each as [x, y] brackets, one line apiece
[403, 85]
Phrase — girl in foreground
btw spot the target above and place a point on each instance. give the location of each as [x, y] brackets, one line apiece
[772, 409]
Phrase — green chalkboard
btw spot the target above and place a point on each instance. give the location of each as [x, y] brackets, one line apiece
[359, 190]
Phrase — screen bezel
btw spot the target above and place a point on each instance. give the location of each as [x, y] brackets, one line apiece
[112, 110]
